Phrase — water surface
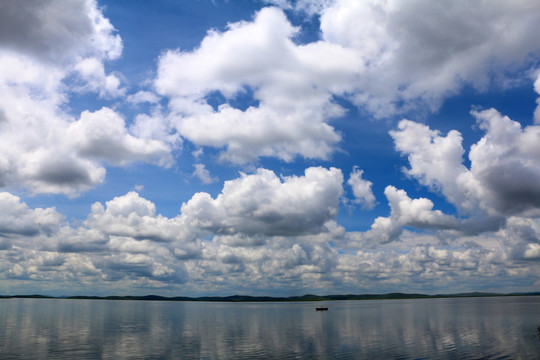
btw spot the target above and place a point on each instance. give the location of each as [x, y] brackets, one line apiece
[461, 328]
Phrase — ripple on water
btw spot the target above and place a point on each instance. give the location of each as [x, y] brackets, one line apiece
[498, 328]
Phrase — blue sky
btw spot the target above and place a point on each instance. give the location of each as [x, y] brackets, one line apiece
[269, 147]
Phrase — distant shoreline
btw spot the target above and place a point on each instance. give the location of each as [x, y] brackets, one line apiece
[247, 298]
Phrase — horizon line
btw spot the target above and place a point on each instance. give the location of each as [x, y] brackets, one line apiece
[264, 298]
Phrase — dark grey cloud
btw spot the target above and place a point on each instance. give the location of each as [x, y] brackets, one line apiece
[63, 172]
[506, 164]
[44, 28]
[82, 247]
[16, 229]
[515, 188]
[124, 268]
[479, 224]
[5, 243]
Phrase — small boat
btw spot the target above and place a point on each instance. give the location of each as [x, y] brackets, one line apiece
[321, 309]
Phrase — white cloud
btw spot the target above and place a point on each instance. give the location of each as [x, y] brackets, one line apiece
[224, 61]
[435, 161]
[42, 147]
[499, 190]
[504, 171]
[422, 51]
[404, 211]
[292, 87]
[143, 97]
[126, 244]
[92, 72]
[79, 240]
[203, 174]
[263, 204]
[18, 219]
[102, 135]
[361, 189]
[506, 161]
[135, 217]
[416, 53]
[155, 127]
[126, 239]
[260, 132]
[33, 142]
[381, 55]
[46, 152]
[520, 238]
[537, 90]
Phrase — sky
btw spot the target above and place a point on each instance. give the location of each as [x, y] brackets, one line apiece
[269, 147]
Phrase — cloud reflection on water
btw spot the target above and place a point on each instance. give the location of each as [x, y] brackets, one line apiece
[433, 328]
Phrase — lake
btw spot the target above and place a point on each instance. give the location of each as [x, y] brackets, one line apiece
[456, 328]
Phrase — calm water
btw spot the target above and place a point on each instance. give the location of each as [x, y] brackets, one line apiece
[469, 328]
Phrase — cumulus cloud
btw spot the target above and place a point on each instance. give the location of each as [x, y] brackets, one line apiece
[435, 161]
[261, 203]
[293, 92]
[404, 211]
[103, 135]
[56, 171]
[430, 266]
[497, 194]
[135, 217]
[92, 72]
[18, 219]
[125, 244]
[423, 51]
[125, 241]
[504, 173]
[33, 149]
[46, 152]
[155, 127]
[361, 189]
[385, 56]
[42, 147]
[507, 163]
